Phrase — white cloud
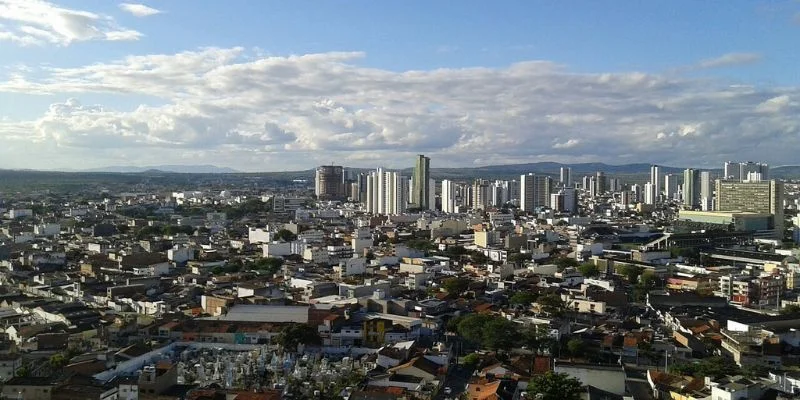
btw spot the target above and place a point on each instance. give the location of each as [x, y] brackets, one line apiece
[729, 60]
[139, 10]
[37, 22]
[228, 106]
[568, 144]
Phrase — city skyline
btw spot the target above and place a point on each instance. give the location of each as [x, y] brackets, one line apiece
[285, 87]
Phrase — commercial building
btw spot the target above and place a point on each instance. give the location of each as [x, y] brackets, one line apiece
[757, 197]
[691, 189]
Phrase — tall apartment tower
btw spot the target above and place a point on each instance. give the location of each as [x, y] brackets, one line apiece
[759, 197]
[387, 193]
[670, 186]
[481, 194]
[601, 183]
[706, 193]
[565, 177]
[534, 191]
[656, 182]
[691, 188]
[649, 194]
[422, 189]
[329, 184]
[449, 196]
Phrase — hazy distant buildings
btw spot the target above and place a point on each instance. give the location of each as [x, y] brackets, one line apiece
[601, 183]
[744, 171]
[329, 183]
[422, 188]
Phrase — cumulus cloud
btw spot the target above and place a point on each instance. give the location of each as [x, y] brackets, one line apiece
[729, 60]
[37, 22]
[139, 10]
[253, 112]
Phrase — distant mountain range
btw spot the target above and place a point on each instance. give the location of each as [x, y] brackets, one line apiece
[178, 169]
[633, 172]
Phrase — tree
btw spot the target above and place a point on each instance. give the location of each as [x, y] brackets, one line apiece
[269, 265]
[23, 371]
[552, 304]
[471, 327]
[576, 347]
[295, 334]
[790, 309]
[630, 272]
[479, 258]
[589, 270]
[555, 386]
[285, 235]
[565, 262]
[523, 298]
[499, 334]
[471, 360]
[58, 360]
[520, 258]
[537, 338]
[456, 285]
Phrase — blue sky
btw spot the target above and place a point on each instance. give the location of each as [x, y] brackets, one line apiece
[672, 56]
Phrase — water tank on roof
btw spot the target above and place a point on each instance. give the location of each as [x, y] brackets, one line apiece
[379, 294]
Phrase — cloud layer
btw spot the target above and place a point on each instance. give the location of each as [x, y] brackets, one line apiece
[37, 22]
[230, 107]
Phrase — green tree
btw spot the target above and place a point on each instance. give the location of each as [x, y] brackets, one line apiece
[537, 338]
[630, 272]
[589, 270]
[23, 371]
[479, 258]
[552, 304]
[285, 235]
[269, 265]
[471, 327]
[456, 285]
[294, 334]
[520, 258]
[499, 334]
[471, 360]
[576, 347]
[523, 298]
[555, 386]
[420, 244]
[790, 309]
[58, 360]
[563, 263]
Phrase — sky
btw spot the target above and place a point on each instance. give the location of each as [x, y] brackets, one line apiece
[289, 85]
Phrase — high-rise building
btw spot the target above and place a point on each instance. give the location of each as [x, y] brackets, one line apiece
[649, 194]
[448, 196]
[534, 191]
[691, 188]
[636, 193]
[329, 184]
[422, 189]
[601, 183]
[387, 193]
[565, 177]
[564, 200]
[745, 171]
[759, 197]
[670, 186]
[731, 171]
[655, 181]
[481, 194]
[706, 193]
